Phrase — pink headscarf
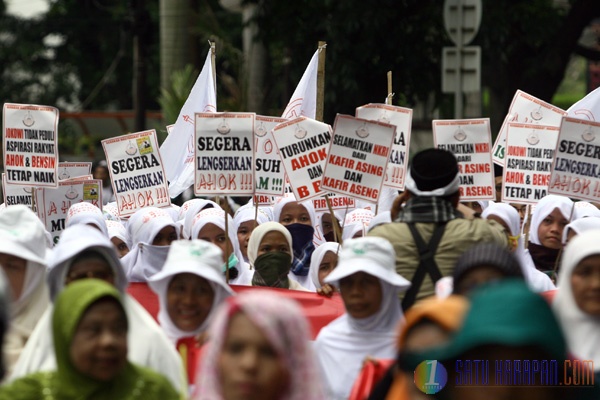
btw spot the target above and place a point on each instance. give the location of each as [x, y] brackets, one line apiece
[282, 322]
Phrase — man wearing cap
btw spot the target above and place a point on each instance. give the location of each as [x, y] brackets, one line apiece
[429, 234]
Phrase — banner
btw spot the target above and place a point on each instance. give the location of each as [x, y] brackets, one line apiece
[528, 110]
[576, 166]
[178, 148]
[53, 204]
[68, 170]
[358, 157]
[302, 145]
[269, 173]
[16, 194]
[337, 203]
[528, 162]
[401, 118]
[304, 100]
[136, 172]
[469, 140]
[30, 143]
[224, 158]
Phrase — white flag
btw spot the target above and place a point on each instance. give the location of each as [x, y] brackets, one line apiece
[304, 100]
[177, 151]
[587, 108]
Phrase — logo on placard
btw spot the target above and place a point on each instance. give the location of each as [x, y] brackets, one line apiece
[144, 145]
[460, 134]
[363, 131]
[537, 114]
[533, 138]
[131, 149]
[384, 118]
[300, 132]
[260, 130]
[588, 135]
[223, 127]
[430, 376]
[28, 119]
[71, 194]
[64, 174]
[90, 191]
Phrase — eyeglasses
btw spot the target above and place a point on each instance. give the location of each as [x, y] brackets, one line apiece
[103, 275]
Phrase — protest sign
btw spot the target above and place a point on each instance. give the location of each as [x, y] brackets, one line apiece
[224, 154]
[136, 172]
[401, 118]
[358, 157]
[16, 194]
[269, 173]
[30, 144]
[53, 203]
[68, 170]
[302, 145]
[528, 162]
[469, 140]
[576, 166]
[337, 202]
[528, 110]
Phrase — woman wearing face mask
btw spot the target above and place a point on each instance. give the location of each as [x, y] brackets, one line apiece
[151, 231]
[369, 286]
[270, 254]
[89, 326]
[299, 220]
[209, 225]
[549, 218]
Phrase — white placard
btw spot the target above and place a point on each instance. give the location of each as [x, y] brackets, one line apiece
[136, 172]
[337, 202]
[469, 140]
[69, 170]
[30, 144]
[269, 173]
[53, 203]
[302, 145]
[358, 157]
[402, 118]
[528, 162]
[576, 166]
[224, 154]
[16, 194]
[525, 109]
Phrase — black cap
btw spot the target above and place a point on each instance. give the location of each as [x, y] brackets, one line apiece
[433, 169]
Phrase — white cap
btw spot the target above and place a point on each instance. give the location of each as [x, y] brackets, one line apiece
[372, 255]
[197, 257]
[22, 234]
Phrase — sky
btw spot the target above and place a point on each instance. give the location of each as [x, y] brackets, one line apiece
[26, 8]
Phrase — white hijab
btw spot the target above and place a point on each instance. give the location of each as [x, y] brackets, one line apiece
[189, 210]
[581, 330]
[118, 230]
[216, 216]
[316, 259]
[145, 259]
[544, 208]
[86, 213]
[537, 280]
[581, 225]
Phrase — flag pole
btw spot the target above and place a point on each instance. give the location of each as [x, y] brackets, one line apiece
[388, 99]
[321, 82]
[213, 55]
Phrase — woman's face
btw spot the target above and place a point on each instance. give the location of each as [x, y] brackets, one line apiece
[362, 294]
[294, 213]
[15, 269]
[585, 283]
[120, 245]
[92, 267]
[99, 345]
[476, 277]
[243, 234]
[249, 366]
[328, 264]
[212, 233]
[273, 241]
[326, 223]
[165, 236]
[189, 301]
[551, 229]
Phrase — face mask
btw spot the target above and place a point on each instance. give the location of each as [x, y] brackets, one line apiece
[271, 269]
[302, 236]
[231, 266]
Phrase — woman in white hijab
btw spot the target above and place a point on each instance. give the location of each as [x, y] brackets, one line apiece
[323, 261]
[83, 252]
[579, 226]
[507, 216]
[270, 255]
[117, 233]
[369, 285]
[209, 225]
[151, 230]
[247, 218]
[23, 248]
[189, 210]
[189, 288]
[86, 213]
[356, 223]
[577, 302]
